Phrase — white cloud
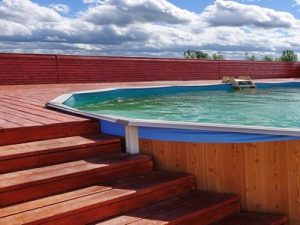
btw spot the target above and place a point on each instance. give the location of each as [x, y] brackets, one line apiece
[230, 13]
[13, 29]
[25, 11]
[123, 12]
[145, 27]
[61, 8]
[92, 1]
[296, 2]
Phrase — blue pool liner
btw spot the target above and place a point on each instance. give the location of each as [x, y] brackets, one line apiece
[195, 136]
[91, 97]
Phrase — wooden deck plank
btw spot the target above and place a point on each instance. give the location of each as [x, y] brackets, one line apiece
[46, 117]
[253, 219]
[23, 106]
[27, 178]
[265, 219]
[59, 144]
[200, 211]
[26, 114]
[18, 120]
[41, 111]
[156, 208]
[41, 107]
[7, 124]
[237, 219]
[43, 202]
[24, 99]
[23, 134]
[41, 182]
[22, 115]
[124, 198]
[60, 150]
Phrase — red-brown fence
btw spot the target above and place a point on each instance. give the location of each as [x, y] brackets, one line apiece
[37, 69]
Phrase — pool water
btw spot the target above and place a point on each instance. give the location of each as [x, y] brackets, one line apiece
[276, 107]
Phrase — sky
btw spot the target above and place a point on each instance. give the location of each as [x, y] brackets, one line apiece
[155, 28]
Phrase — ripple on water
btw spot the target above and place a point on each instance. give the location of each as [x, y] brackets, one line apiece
[279, 107]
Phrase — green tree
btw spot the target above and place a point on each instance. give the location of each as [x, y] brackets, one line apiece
[250, 57]
[217, 56]
[195, 55]
[268, 58]
[188, 54]
[288, 56]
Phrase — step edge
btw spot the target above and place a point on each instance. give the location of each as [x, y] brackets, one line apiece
[131, 162]
[58, 149]
[157, 187]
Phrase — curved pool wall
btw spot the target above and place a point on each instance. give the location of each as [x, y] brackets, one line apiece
[190, 135]
[175, 131]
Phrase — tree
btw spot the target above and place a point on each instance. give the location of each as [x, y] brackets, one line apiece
[217, 56]
[188, 54]
[195, 55]
[268, 58]
[288, 56]
[250, 57]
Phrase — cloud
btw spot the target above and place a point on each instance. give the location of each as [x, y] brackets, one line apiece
[145, 28]
[92, 1]
[12, 29]
[124, 12]
[25, 21]
[296, 3]
[230, 13]
[25, 11]
[60, 8]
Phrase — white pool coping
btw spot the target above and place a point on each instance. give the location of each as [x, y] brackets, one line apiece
[57, 103]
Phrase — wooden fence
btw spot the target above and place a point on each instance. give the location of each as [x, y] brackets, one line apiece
[39, 69]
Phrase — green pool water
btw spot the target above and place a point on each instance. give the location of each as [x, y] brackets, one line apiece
[277, 107]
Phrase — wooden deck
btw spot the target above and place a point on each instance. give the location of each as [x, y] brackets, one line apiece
[24, 106]
[24, 117]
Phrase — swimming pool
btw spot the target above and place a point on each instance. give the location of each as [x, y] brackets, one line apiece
[202, 113]
[260, 163]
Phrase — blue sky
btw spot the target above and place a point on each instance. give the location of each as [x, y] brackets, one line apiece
[158, 28]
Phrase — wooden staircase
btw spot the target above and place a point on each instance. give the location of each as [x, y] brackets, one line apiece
[87, 179]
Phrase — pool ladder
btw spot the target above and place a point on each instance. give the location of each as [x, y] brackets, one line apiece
[239, 83]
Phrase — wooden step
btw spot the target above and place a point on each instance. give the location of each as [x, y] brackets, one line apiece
[47, 131]
[21, 186]
[53, 151]
[196, 207]
[98, 202]
[253, 219]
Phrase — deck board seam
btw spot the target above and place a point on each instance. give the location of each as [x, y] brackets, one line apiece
[24, 117]
[50, 121]
[42, 110]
